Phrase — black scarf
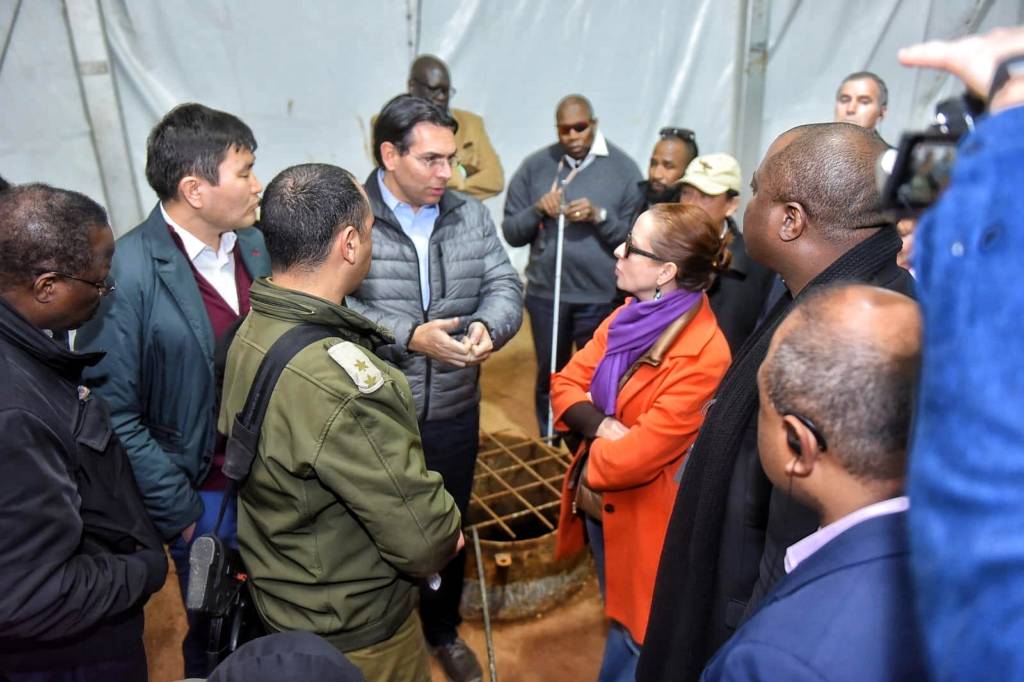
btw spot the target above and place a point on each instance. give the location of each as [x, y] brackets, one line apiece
[676, 644]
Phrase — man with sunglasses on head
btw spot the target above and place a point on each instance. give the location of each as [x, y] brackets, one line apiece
[441, 281]
[595, 185]
[477, 170]
[673, 152]
[836, 396]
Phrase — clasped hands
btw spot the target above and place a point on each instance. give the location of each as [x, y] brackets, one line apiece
[434, 340]
[577, 210]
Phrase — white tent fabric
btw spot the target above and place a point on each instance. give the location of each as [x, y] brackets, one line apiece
[307, 75]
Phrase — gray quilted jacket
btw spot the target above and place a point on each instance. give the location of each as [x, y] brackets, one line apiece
[470, 278]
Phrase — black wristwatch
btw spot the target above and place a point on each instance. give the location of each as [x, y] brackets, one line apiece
[1011, 67]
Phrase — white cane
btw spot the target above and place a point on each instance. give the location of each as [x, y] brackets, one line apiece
[554, 317]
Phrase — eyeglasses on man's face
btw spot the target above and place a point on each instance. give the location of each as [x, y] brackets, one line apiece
[566, 128]
[436, 161]
[640, 252]
[436, 89]
[105, 288]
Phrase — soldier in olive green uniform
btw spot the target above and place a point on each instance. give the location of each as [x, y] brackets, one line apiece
[339, 517]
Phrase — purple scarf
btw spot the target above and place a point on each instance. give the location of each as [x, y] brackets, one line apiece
[632, 333]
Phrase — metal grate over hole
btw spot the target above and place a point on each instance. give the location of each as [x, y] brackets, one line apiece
[516, 487]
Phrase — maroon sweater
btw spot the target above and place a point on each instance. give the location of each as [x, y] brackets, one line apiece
[221, 318]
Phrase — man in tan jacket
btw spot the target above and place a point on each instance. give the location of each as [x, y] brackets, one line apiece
[478, 171]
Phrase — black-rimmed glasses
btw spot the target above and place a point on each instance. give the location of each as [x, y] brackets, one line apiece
[436, 89]
[640, 252]
[105, 288]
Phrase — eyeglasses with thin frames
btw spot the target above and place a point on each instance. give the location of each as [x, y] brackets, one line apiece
[105, 288]
[640, 252]
[434, 162]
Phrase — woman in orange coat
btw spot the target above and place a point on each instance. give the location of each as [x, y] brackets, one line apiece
[637, 394]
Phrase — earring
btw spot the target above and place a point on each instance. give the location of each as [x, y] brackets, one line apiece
[657, 293]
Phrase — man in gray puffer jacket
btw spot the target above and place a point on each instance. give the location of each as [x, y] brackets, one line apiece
[442, 282]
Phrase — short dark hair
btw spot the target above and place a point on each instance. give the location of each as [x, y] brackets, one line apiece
[883, 91]
[303, 208]
[684, 135]
[400, 116]
[44, 229]
[829, 169]
[192, 139]
[3, 184]
[858, 393]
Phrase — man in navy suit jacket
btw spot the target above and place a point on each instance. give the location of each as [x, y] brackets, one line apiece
[836, 394]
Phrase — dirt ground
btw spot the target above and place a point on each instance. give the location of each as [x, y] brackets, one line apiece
[563, 644]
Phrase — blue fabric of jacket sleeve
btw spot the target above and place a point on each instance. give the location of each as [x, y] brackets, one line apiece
[168, 494]
[751, 661]
[967, 459]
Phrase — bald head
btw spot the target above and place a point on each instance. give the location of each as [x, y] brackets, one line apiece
[829, 169]
[571, 102]
[429, 79]
[847, 359]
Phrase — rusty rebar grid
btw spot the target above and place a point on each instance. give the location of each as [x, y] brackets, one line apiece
[548, 485]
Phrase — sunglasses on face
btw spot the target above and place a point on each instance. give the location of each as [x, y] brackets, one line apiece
[640, 252]
[684, 134]
[571, 127]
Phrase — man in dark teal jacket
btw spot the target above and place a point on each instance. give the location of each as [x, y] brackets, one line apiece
[183, 279]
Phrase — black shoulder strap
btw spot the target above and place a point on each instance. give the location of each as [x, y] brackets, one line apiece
[245, 431]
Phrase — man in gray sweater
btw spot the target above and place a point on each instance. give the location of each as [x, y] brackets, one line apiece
[595, 185]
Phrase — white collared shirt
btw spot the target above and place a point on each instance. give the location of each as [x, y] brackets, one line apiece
[418, 225]
[599, 148]
[218, 267]
[802, 550]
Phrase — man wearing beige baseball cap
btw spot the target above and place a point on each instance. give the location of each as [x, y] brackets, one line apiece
[713, 182]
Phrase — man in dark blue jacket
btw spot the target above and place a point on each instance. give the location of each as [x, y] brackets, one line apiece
[183, 280]
[836, 392]
[80, 556]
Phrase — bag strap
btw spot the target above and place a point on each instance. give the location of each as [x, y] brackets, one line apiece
[245, 431]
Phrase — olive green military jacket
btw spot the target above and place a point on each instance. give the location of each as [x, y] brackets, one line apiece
[339, 515]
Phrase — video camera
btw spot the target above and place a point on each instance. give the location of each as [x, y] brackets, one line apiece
[912, 177]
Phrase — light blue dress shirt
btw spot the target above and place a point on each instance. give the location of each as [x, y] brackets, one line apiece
[418, 225]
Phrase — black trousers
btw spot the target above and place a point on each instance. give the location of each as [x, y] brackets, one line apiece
[132, 666]
[576, 324]
[450, 448]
